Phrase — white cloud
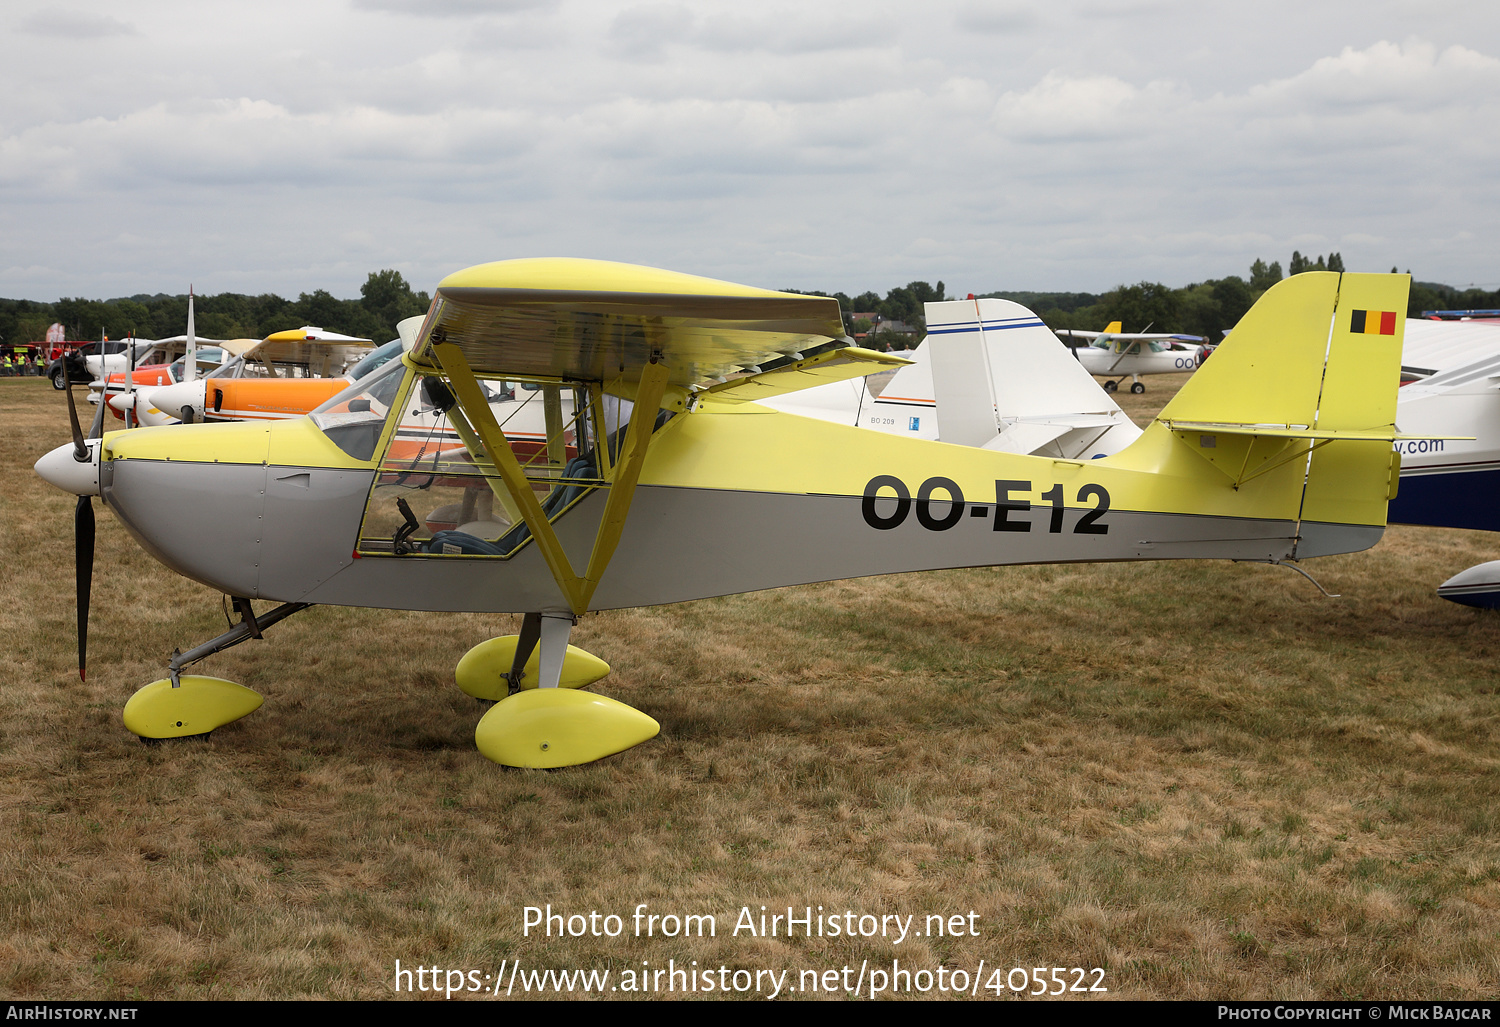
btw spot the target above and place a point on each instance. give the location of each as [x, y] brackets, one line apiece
[770, 145]
[1415, 77]
[991, 17]
[67, 24]
[1093, 108]
[451, 8]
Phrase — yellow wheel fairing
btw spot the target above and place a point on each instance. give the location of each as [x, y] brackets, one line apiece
[199, 706]
[481, 672]
[558, 727]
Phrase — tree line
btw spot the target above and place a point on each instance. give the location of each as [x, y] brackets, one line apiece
[1207, 308]
[1211, 307]
[385, 299]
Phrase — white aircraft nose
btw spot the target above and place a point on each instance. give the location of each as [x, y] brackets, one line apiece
[170, 399]
[62, 468]
[147, 412]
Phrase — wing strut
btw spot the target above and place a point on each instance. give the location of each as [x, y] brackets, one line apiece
[577, 589]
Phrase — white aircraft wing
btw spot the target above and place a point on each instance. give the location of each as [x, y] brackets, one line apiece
[1077, 333]
[1431, 347]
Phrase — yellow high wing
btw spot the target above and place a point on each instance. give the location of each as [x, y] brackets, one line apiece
[641, 333]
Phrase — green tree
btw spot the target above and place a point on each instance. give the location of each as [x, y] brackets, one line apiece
[1263, 277]
[1214, 306]
[845, 303]
[901, 305]
[387, 297]
[1423, 298]
[1146, 305]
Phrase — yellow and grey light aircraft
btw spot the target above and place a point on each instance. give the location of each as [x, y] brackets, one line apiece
[662, 479]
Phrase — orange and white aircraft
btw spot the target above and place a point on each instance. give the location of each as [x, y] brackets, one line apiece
[286, 375]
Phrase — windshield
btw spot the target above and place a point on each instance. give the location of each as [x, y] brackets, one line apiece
[355, 417]
[209, 358]
[379, 358]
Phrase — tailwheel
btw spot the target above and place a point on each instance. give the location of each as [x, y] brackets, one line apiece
[546, 728]
[485, 670]
[196, 706]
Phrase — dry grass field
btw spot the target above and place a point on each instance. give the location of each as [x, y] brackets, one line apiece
[1205, 778]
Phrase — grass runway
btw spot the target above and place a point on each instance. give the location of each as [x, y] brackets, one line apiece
[1205, 778]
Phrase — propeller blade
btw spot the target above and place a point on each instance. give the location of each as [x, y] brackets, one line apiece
[80, 451]
[83, 556]
[97, 428]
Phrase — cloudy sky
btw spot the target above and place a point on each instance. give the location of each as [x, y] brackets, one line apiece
[289, 146]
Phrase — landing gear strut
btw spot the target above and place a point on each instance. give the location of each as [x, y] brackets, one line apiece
[182, 706]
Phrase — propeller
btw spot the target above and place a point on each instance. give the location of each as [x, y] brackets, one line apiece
[83, 557]
[83, 528]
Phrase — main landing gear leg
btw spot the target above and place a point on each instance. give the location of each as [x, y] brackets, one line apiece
[541, 719]
[555, 629]
[184, 706]
[503, 666]
[531, 634]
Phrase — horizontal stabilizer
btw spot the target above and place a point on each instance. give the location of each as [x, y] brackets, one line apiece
[1294, 431]
[1026, 437]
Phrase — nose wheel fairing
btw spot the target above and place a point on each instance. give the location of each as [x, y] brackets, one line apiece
[192, 706]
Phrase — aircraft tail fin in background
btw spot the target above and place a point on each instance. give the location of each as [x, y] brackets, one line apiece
[1300, 401]
[1001, 382]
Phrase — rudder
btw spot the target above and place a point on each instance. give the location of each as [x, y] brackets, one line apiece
[1351, 483]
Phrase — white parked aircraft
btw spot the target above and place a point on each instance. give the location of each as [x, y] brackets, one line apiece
[990, 375]
[1452, 389]
[1116, 355]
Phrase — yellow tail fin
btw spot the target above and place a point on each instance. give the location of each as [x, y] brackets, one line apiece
[1311, 370]
[1296, 358]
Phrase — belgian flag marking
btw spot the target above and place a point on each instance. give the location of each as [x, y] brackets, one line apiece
[1373, 322]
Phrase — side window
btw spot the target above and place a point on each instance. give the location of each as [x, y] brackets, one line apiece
[438, 493]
